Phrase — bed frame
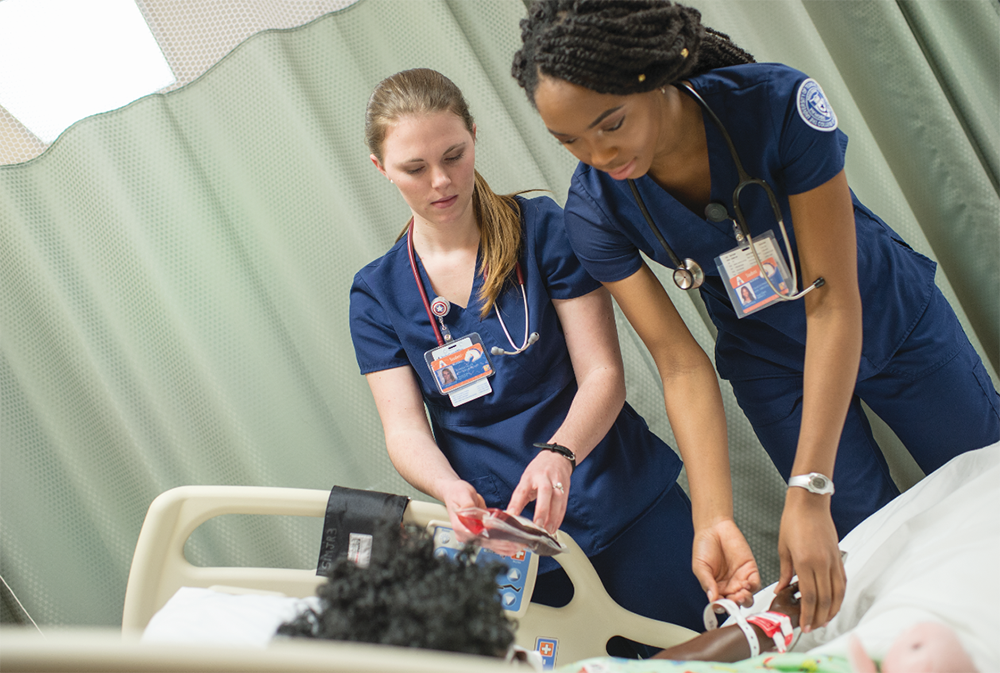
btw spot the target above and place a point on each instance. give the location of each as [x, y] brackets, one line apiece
[580, 629]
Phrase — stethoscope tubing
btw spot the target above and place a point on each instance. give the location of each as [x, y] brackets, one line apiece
[688, 274]
[745, 180]
[527, 341]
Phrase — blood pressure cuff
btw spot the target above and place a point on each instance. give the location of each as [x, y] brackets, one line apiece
[352, 520]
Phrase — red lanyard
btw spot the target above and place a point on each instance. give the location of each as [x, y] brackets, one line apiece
[420, 285]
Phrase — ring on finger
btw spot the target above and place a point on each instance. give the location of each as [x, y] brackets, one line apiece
[559, 487]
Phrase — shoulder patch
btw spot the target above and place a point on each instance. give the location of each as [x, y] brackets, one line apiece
[813, 107]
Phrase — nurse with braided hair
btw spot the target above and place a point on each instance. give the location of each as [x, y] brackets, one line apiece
[668, 118]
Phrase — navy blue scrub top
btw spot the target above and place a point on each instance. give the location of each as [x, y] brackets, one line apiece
[488, 441]
[757, 104]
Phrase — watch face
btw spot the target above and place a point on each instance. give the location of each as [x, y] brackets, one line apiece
[814, 482]
[819, 483]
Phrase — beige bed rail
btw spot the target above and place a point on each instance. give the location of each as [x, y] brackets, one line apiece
[581, 629]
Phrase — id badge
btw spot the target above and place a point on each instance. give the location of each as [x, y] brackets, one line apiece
[748, 290]
[461, 369]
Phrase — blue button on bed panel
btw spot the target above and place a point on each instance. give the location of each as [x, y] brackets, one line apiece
[512, 581]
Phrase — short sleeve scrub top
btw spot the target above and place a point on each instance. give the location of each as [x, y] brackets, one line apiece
[488, 441]
[765, 109]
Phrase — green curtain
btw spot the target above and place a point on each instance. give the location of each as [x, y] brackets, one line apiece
[175, 273]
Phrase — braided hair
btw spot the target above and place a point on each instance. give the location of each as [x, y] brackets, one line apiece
[618, 47]
[407, 597]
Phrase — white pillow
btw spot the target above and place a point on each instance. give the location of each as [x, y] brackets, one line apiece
[209, 617]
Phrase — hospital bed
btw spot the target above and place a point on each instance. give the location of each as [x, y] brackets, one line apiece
[931, 554]
[910, 561]
[575, 631]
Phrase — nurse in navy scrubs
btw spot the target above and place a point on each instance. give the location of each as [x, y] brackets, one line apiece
[649, 100]
[468, 285]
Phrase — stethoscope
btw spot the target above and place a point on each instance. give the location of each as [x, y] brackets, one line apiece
[440, 307]
[688, 274]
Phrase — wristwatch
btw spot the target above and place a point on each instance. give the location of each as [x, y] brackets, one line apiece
[814, 482]
[561, 450]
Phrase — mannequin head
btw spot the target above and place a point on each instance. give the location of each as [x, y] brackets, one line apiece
[927, 647]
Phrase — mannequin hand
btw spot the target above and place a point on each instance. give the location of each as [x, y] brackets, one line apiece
[807, 546]
[538, 482]
[458, 495]
[786, 603]
[723, 563]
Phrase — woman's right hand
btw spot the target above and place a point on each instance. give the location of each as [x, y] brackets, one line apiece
[723, 563]
[457, 495]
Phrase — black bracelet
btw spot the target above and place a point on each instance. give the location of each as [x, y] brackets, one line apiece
[561, 450]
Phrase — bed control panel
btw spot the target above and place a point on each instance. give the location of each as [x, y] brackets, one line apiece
[515, 583]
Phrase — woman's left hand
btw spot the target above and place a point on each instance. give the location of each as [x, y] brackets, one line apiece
[546, 480]
[723, 563]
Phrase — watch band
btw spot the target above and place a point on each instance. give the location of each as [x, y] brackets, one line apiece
[561, 450]
[777, 627]
[814, 482]
[712, 622]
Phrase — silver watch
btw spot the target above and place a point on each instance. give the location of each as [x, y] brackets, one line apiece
[814, 482]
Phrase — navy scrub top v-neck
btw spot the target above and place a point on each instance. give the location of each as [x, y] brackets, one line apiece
[758, 105]
[488, 441]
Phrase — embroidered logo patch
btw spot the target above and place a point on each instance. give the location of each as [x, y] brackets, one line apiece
[813, 107]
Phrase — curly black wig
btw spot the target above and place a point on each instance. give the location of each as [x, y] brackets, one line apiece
[618, 47]
[408, 598]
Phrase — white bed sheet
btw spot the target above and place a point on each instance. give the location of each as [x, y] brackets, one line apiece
[932, 554]
[197, 616]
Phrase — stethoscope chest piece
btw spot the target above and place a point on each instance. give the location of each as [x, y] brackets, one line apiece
[689, 276]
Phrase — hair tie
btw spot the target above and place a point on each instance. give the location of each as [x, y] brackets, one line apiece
[642, 78]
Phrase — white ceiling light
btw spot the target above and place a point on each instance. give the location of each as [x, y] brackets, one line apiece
[63, 60]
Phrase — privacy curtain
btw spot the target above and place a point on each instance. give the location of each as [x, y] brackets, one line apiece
[174, 275]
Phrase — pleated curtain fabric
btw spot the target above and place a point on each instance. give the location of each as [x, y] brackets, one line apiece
[174, 274]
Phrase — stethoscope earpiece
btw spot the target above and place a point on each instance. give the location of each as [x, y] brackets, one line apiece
[496, 350]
